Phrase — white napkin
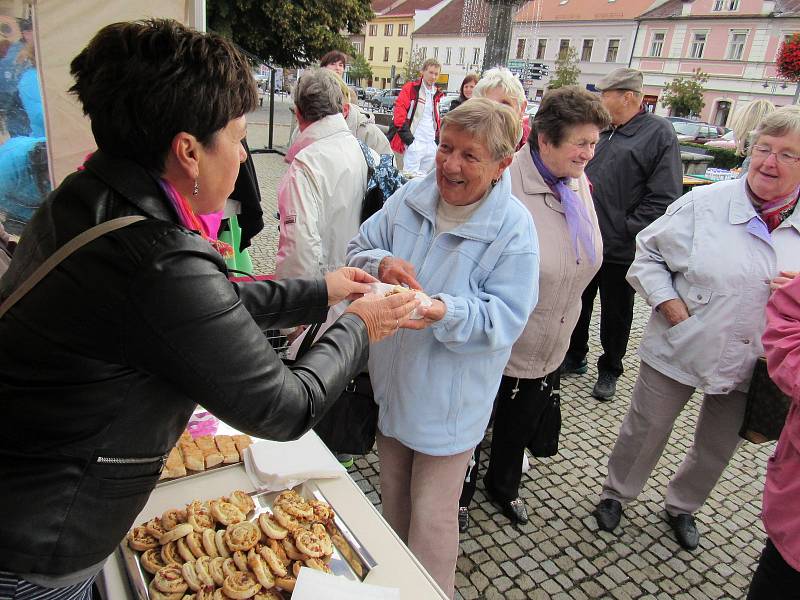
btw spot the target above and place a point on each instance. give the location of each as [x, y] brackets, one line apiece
[274, 466]
[313, 585]
[424, 300]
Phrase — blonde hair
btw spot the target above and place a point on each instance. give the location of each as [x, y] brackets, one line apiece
[782, 121]
[431, 62]
[493, 124]
[746, 119]
[503, 79]
[348, 94]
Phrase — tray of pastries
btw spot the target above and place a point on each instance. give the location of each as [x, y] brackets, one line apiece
[244, 545]
[194, 456]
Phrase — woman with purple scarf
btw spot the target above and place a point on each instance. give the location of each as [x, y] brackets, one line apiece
[547, 177]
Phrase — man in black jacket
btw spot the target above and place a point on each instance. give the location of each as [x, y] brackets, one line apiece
[635, 174]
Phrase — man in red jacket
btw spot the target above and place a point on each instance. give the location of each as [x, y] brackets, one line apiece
[415, 125]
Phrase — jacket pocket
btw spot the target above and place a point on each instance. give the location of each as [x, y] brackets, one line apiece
[697, 298]
[678, 333]
[119, 477]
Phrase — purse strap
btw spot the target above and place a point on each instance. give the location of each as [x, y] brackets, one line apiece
[64, 252]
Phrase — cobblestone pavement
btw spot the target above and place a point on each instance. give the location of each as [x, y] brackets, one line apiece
[559, 554]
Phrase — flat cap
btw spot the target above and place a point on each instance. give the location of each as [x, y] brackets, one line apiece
[621, 79]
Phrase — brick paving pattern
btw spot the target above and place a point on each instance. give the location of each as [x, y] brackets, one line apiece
[560, 554]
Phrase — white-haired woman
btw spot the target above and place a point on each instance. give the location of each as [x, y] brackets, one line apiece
[706, 267]
[500, 84]
[460, 235]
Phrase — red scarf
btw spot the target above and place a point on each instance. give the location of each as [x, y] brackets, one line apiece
[776, 212]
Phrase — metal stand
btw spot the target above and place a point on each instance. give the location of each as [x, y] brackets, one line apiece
[270, 149]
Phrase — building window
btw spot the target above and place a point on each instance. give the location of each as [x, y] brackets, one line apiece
[402, 30]
[357, 47]
[476, 56]
[386, 54]
[388, 29]
[725, 5]
[373, 30]
[520, 48]
[448, 55]
[657, 43]
[586, 50]
[612, 51]
[423, 52]
[541, 48]
[698, 44]
[462, 55]
[400, 54]
[371, 53]
[563, 46]
[436, 53]
[736, 45]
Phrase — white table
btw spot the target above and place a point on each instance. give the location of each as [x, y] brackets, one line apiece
[396, 566]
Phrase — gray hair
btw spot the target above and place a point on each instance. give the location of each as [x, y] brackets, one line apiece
[503, 79]
[783, 121]
[318, 94]
[493, 124]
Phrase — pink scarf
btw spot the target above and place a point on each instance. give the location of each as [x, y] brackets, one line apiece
[776, 212]
[206, 225]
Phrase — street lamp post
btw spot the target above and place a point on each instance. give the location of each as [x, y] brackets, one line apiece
[498, 38]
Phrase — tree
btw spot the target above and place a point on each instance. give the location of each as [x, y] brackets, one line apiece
[413, 66]
[566, 71]
[360, 69]
[289, 33]
[684, 96]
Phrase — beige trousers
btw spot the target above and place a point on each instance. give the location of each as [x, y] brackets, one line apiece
[656, 402]
[420, 501]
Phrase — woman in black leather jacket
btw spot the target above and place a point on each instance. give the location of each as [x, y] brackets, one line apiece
[103, 361]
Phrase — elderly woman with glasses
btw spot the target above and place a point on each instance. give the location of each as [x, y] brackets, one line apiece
[460, 235]
[707, 268]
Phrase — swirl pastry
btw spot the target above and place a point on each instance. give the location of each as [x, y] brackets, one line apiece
[151, 560]
[268, 595]
[260, 570]
[226, 513]
[210, 543]
[273, 561]
[228, 567]
[241, 586]
[309, 543]
[317, 564]
[190, 576]
[242, 500]
[220, 595]
[242, 536]
[169, 552]
[271, 528]
[285, 583]
[291, 550]
[199, 516]
[169, 580]
[215, 570]
[285, 520]
[183, 550]
[294, 504]
[189, 597]
[155, 528]
[202, 567]
[195, 542]
[323, 512]
[139, 539]
[222, 547]
[277, 548]
[173, 517]
[176, 533]
[205, 593]
[155, 594]
[240, 560]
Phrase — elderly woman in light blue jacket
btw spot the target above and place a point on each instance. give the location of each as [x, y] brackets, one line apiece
[706, 267]
[461, 236]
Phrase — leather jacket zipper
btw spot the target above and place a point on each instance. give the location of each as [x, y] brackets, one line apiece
[109, 460]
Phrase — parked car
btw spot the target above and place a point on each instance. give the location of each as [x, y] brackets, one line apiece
[385, 99]
[698, 133]
[727, 141]
[360, 92]
[532, 109]
[369, 92]
[444, 104]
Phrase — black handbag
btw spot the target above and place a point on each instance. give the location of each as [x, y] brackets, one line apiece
[767, 407]
[350, 425]
[544, 439]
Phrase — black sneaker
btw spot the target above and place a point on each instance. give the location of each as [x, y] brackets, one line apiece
[606, 386]
[685, 529]
[608, 513]
[463, 519]
[571, 366]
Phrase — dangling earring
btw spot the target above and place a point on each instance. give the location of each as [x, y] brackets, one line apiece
[494, 181]
[196, 189]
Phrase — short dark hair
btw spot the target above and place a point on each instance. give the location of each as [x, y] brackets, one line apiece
[331, 57]
[143, 82]
[566, 107]
[470, 78]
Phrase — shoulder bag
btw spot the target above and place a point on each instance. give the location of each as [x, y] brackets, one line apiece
[767, 407]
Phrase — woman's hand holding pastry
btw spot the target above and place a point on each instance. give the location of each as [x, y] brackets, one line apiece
[674, 311]
[347, 283]
[398, 271]
[383, 316]
[435, 312]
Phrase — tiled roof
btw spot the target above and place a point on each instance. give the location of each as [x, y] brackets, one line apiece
[672, 8]
[410, 7]
[581, 10]
[788, 8]
[379, 6]
[449, 21]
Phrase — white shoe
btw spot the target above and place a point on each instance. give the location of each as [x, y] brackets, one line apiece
[526, 465]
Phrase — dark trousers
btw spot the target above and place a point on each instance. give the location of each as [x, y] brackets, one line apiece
[616, 316]
[774, 579]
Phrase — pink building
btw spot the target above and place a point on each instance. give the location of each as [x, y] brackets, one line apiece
[734, 41]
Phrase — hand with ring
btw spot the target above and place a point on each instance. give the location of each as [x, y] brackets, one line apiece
[384, 315]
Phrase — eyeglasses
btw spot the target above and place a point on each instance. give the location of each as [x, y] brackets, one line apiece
[784, 158]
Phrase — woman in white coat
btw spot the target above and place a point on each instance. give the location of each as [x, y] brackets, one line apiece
[706, 267]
